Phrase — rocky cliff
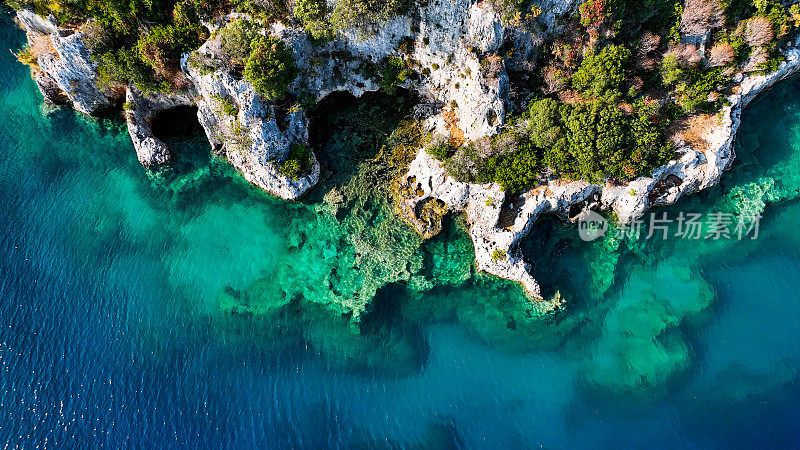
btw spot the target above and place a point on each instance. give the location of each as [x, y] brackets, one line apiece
[459, 52]
[498, 224]
[64, 70]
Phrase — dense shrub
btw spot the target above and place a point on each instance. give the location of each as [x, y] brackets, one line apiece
[515, 171]
[467, 165]
[440, 150]
[671, 71]
[310, 10]
[235, 38]
[602, 72]
[312, 14]
[596, 131]
[592, 140]
[270, 67]
[298, 162]
[162, 47]
[125, 66]
[694, 96]
[543, 123]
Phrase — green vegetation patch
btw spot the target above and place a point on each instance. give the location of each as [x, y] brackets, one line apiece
[298, 163]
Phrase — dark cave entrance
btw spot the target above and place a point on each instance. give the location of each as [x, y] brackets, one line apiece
[176, 123]
[346, 131]
[180, 129]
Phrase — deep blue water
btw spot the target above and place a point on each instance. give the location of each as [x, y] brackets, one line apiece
[114, 329]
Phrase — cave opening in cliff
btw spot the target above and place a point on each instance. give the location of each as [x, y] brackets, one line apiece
[347, 132]
[180, 129]
[176, 123]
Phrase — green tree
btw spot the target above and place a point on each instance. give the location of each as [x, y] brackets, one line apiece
[602, 72]
[270, 67]
[597, 135]
[235, 38]
[516, 171]
[313, 15]
[544, 123]
[161, 48]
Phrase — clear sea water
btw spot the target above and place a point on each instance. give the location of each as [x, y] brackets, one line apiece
[188, 310]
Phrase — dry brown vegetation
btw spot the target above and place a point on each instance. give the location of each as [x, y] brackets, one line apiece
[758, 32]
[456, 134]
[687, 55]
[701, 16]
[721, 54]
[696, 129]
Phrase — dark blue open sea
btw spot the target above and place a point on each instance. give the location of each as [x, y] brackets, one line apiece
[186, 309]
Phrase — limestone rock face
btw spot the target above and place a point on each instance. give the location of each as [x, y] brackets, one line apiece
[252, 133]
[454, 43]
[499, 224]
[449, 42]
[150, 150]
[697, 169]
[64, 62]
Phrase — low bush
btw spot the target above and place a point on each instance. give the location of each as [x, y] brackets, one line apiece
[393, 73]
[270, 67]
[298, 162]
[364, 15]
[235, 38]
[441, 150]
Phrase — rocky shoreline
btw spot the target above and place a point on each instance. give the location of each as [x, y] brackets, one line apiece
[497, 237]
[464, 99]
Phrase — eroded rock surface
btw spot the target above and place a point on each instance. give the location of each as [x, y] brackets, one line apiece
[497, 237]
[251, 132]
[140, 112]
[65, 68]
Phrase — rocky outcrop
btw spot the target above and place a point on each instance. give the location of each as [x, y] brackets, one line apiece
[140, 110]
[252, 133]
[459, 73]
[697, 169]
[65, 69]
[452, 44]
[498, 224]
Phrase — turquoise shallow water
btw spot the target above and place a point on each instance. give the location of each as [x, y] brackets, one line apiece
[188, 310]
